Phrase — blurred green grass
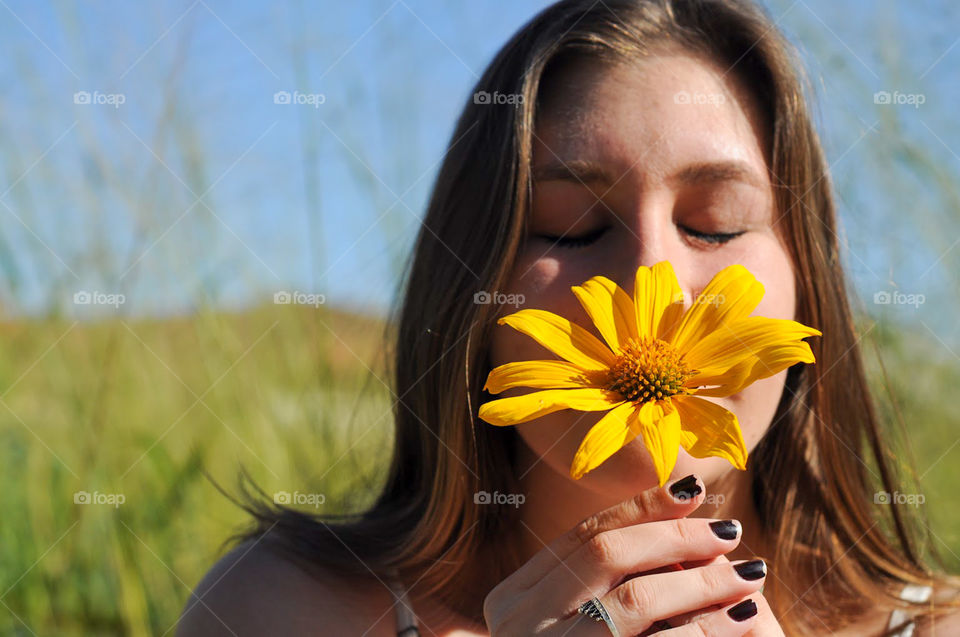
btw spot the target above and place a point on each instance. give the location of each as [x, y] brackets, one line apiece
[143, 408]
[922, 374]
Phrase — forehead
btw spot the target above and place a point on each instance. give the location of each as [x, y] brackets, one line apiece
[657, 113]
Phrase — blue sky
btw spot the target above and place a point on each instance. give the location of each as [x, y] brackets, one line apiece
[327, 199]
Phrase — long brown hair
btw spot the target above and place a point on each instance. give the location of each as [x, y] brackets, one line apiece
[812, 491]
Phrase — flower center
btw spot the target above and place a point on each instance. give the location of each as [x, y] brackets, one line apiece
[650, 369]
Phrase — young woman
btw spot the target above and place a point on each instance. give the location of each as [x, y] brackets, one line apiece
[618, 134]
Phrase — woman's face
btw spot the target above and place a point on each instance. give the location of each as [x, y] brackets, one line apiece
[658, 160]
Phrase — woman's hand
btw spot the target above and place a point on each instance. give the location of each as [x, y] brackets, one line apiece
[624, 556]
[765, 624]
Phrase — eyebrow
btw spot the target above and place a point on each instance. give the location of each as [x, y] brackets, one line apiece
[589, 172]
[717, 172]
[575, 170]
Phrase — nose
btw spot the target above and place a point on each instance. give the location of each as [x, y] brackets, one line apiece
[647, 236]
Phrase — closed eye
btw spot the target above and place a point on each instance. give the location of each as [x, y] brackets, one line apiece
[718, 237]
[583, 240]
[578, 241]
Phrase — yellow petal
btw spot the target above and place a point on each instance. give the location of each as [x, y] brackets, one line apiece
[735, 342]
[766, 363]
[603, 440]
[658, 300]
[659, 424]
[538, 375]
[518, 409]
[610, 309]
[567, 340]
[707, 429]
[729, 296]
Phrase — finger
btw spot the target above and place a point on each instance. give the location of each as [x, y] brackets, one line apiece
[685, 618]
[767, 623]
[697, 563]
[674, 500]
[688, 618]
[731, 621]
[639, 602]
[687, 564]
[610, 557]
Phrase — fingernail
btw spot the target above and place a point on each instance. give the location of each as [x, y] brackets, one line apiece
[754, 569]
[686, 488]
[726, 529]
[743, 611]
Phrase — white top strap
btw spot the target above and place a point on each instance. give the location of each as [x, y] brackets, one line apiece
[407, 625]
[910, 593]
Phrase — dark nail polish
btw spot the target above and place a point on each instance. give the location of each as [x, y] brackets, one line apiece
[743, 611]
[726, 529]
[754, 569]
[686, 488]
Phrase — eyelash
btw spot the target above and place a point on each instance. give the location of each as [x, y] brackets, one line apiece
[583, 241]
[575, 242]
[716, 238]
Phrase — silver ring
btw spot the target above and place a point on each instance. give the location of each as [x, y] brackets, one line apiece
[594, 609]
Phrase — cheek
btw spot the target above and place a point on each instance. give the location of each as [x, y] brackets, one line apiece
[755, 407]
[769, 262]
[544, 284]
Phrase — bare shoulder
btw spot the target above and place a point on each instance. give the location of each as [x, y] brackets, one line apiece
[946, 624]
[254, 591]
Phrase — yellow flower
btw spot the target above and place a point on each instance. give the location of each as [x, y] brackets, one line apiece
[656, 358]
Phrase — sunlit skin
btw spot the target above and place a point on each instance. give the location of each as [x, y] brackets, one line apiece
[650, 176]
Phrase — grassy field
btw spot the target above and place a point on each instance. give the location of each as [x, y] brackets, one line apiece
[137, 411]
